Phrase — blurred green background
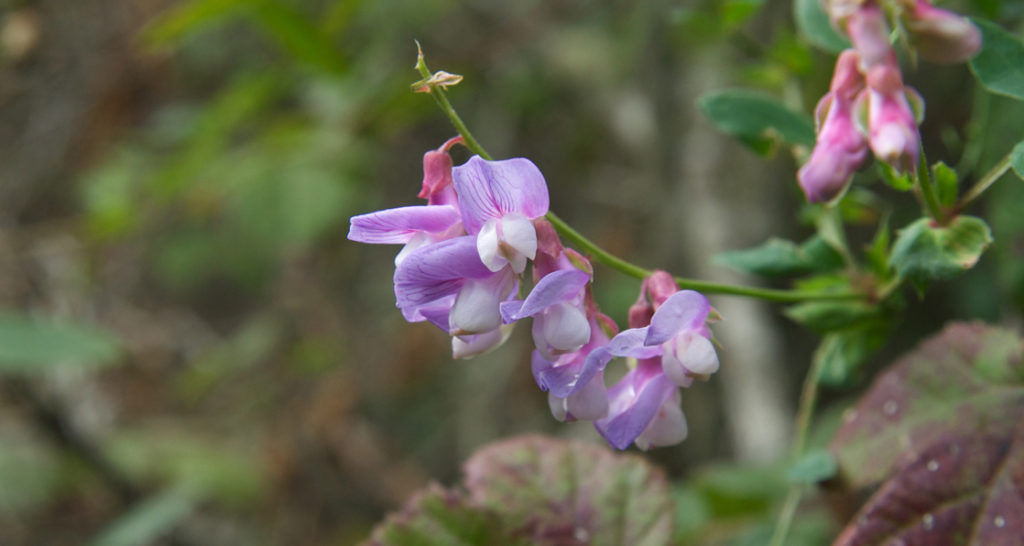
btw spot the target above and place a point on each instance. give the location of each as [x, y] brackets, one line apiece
[193, 353]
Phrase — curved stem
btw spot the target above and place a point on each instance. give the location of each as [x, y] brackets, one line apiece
[808, 399]
[995, 173]
[442, 101]
[603, 256]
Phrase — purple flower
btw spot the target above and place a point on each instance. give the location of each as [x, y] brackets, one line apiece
[939, 35]
[841, 148]
[414, 227]
[560, 323]
[671, 352]
[449, 276]
[499, 200]
[575, 382]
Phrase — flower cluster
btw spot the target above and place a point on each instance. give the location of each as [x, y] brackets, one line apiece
[867, 105]
[461, 266]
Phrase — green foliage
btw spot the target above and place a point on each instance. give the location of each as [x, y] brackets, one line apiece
[812, 467]
[845, 351]
[946, 184]
[826, 316]
[778, 257]
[587, 494]
[944, 427]
[813, 23]
[30, 473]
[758, 120]
[148, 520]
[1000, 64]
[1017, 159]
[893, 178]
[924, 252]
[35, 345]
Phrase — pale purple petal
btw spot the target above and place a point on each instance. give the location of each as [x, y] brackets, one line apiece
[632, 408]
[510, 310]
[438, 270]
[397, 226]
[492, 189]
[685, 310]
[631, 343]
[477, 307]
[553, 288]
[561, 327]
[667, 428]
[473, 345]
[589, 402]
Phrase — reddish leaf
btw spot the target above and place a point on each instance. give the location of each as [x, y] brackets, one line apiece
[967, 380]
[571, 492]
[945, 426]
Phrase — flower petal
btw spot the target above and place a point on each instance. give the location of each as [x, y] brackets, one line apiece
[685, 310]
[492, 189]
[438, 270]
[631, 343]
[631, 410]
[477, 305]
[559, 286]
[667, 428]
[397, 226]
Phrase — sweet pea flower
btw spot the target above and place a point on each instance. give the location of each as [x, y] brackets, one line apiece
[941, 36]
[448, 284]
[575, 383]
[499, 201]
[891, 121]
[841, 148]
[672, 351]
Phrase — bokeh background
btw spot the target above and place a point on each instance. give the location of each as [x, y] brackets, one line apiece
[194, 353]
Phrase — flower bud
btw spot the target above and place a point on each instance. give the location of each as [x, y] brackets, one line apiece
[891, 123]
[869, 33]
[941, 36]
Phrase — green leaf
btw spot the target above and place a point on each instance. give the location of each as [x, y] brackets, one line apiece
[187, 18]
[440, 517]
[893, 178]
[778, 257]
[878, 253]
[1017, 159]
[924, 252]
[946, 183]
[999, 66]
[813, 24]
[812, 467]
[845, 351]
[146, 522]
[945, 427]
[825, 316]
[29, 344]
[760, 121]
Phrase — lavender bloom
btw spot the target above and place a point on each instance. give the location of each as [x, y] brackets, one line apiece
[499, 200]
[560, 322]
[941, 36]
[575, 383]
[448, 280]
[840, 148]
[672, 351]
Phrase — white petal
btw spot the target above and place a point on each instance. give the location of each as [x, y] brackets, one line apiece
[558, 407]
[590, 402]
[673, 367]
[476, 309]
[696, 353]
[518, 240]
[417, 241]
[470, 346]
[667, 428]
[488, 245]
[565, 327]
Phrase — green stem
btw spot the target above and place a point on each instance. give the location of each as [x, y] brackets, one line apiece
[603, 256]
[442, 100]
[808, 400]
[924, 182]
[995, 173]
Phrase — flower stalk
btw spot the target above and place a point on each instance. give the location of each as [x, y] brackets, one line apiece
[603, 256]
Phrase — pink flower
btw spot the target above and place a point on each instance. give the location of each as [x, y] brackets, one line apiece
[941, 36]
